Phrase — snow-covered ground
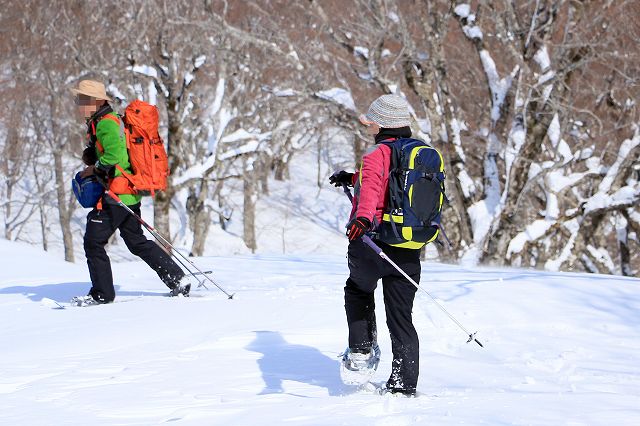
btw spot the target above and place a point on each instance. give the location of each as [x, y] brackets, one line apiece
[560, 349]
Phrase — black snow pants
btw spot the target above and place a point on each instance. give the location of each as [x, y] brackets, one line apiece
[366, 268]
[101, 224]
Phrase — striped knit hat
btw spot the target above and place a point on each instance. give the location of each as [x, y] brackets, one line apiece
[389, 111]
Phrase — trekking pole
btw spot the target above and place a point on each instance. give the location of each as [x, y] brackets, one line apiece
[163, 240]
[347, 191]
[368, 241]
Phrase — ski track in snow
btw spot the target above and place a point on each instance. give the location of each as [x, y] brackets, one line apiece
[560, 349]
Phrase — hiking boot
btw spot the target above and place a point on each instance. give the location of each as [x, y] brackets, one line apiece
[406, 393]
[180, 290]
[396, 386]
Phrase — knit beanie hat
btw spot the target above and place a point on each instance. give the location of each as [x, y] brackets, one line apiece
[389, 111]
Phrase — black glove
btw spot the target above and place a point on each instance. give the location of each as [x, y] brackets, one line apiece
[341, 177]
[357, 227]
[89, 156]
[103, 173]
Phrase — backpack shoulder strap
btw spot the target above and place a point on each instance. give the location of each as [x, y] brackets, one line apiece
[111, 117]
[116, 119]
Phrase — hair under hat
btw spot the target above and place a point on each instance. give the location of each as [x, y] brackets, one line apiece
[389, 111]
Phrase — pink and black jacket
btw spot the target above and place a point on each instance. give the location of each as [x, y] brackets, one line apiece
[371, 182]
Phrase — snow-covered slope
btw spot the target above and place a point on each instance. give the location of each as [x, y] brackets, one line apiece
[560, 349]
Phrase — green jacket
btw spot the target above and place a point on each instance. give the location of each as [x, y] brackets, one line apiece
[112, 139]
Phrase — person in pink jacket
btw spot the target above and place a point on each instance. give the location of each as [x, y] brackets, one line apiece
[387, 119]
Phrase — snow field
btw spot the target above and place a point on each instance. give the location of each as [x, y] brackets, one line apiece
[559, 348]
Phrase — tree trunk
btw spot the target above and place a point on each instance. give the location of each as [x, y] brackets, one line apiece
[625, 255]
[7, 211]
[199, 219]
[43, 227]
[43, 217]
[162, 202]
[161, 209]
[433, 78]
[64, 211]
[10, 158]
[249, 213]
[510, 221]
[281, 169]
[262, 174]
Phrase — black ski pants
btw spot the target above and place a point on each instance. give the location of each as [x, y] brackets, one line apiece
[366, 268]
[101, 224]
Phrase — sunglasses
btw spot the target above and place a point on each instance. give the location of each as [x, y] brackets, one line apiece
[83, 100]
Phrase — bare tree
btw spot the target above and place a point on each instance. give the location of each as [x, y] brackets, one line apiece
[532, 103]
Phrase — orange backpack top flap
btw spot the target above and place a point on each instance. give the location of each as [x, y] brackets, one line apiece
[143, 118]
[147, 155]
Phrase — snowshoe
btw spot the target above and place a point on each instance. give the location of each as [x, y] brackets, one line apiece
[358, 368]
[180, 290]
[85, 301]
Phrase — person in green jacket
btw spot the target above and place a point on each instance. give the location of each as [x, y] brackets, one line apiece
[106, 148]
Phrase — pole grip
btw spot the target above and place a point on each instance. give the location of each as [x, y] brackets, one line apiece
[368, 241]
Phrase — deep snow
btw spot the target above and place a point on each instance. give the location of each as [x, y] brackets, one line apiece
[560, 349]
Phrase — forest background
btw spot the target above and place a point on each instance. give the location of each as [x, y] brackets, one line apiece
[532, 103]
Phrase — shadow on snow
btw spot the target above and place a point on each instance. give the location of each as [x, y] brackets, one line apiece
[285, 361]
[63, 292]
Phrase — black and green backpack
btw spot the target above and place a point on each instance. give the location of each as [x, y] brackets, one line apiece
[416, 195]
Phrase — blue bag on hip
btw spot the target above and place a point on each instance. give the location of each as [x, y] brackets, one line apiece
[87, 190]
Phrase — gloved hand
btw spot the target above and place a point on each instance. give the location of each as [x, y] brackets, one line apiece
[357, 227]
[338, 178]
[89, 156]
[103, 173]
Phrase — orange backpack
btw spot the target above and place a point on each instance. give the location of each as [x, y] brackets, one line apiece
[147, 155]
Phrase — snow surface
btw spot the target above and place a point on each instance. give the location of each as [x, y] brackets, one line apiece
[284, 93]
[473, 32]
[481, 214]
[462, 10]
[532, 232]
[499, 86]
[362, 51]
[573, 226]
[147, 70]
[560, 348]
[542, 58]
[339, 96]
